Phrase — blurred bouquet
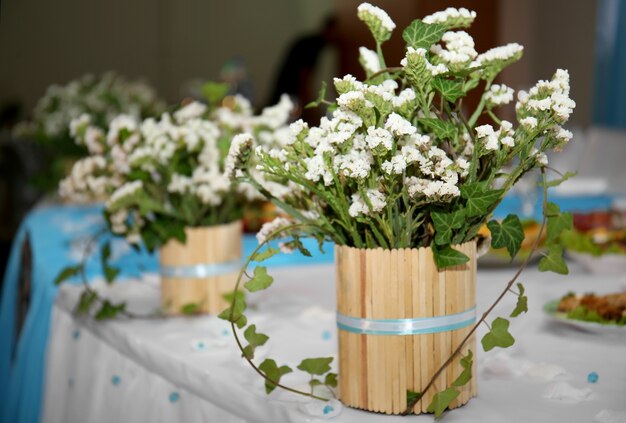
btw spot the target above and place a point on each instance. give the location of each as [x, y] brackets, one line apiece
[101, 98]
[399, 164]
[160, 176]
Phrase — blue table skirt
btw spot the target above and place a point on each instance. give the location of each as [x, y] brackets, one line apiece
[57, 236]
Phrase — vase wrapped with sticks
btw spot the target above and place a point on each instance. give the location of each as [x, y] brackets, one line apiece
[196, 275]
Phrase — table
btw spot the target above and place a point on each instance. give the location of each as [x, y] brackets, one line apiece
[188, 369]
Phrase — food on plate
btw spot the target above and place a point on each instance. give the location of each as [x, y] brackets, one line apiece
[596, 242]
[603, 309]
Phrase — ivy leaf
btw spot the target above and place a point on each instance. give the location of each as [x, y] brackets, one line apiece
[190, 309]
[466, 374]
[498, 336]
[331, 380]
[445, 223]
[446, 256]
[522, 302]
[441, 401]
[248, 352]
[553, 261]
[557, 222]
[68, 272]
[479, 198]
[273, 372]
[234, 313]
[315, 382]
[254, 338]
[316, 366]
[559, 181]
[214, 92]
[421, 35]
[86, 301]
[108, 310]
[262, 256]
[442, 129]
[450, 90]
[509, 234]
[260, 280]
[412, 396]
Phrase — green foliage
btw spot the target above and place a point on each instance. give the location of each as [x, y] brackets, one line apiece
[316, 366]
[255, 340]
[498, 335]
[421, 35]
[466, 374]
[445, 223]
[584, 243]
[446, 256]
[522, 302]
[412, 396]
[441, 401]
[234, 313]
[109, 310]
[260, 280]
[190, 309]
[442, 129]
[264, 255]
[331, 380]
[480, 199]
[509, 234]
[67, 273]
[450, 90]
[86, 301]
[559, 181]
[553, 261]
[557, 222]
[214, 92]
[321, 97]
[273, 373]
[110, 272]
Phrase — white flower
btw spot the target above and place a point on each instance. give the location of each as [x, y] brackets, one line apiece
[192, 110]
[406, 96]
[564, 135]
[399, 126]
[396, 165]
[78, 123]
[298, 127]
[459, 49]
[420, 54]
[378, 137]
[355, 165]
[133, 238]
[270, 227]
[120, 123]
[500, 54]
[179, 184]
[508, 141]
[94, 138]
[240, 145]
[499, 95]
[369, 60]
[490, 138]
[360, 207]
[366, 9]
[451, 17]
[529, 123]
[351, 100]
[316, 169]
[484, 131]
[126, 190]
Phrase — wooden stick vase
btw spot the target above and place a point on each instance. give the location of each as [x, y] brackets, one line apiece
[197, 274]
[399, 319]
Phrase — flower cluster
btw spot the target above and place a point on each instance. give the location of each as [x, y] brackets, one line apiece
[102, 98]
[161, 175]
[398, 164]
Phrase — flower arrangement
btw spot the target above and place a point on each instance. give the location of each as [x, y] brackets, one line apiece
[162, 175]
[401, 163]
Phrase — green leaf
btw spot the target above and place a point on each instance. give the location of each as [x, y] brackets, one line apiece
[445, 223]
[109, 310]
[553, 261]
[442, 129]
[321, 97]
[86, 301]
[412, 396]
[509, 234]
[316, 366]
[522, 302]
[234, 313]
[214, 92]
[450, 90]
[421, 35]
[498, 336]
[248, 352]
[559, 181]
[190, 309]
[466, 374]
[273, 372]
[68, 272]
[479, 198]
[264, 255]
[441, 401]
[557, 222]
[331, 380]
[315, 382]
[260, 280]
[446, 256]
[254, 338]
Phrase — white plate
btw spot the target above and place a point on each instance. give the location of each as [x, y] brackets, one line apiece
[607, 264]
[550, 309]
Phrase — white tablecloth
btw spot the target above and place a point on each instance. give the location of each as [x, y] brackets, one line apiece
[188, 369]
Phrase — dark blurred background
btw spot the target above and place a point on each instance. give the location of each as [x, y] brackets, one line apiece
[173, 44]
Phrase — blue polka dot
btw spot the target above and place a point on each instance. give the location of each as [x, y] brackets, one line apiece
[225, 332]
[115, 380]
[592, 377]
[76, 334]
[174, 397]
[328, 409]
[326, 335]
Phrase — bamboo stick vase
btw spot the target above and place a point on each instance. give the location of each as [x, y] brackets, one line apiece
[201, 271]
[399, 319]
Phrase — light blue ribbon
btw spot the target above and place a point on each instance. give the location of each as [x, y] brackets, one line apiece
[417, 326]
[199, 271]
